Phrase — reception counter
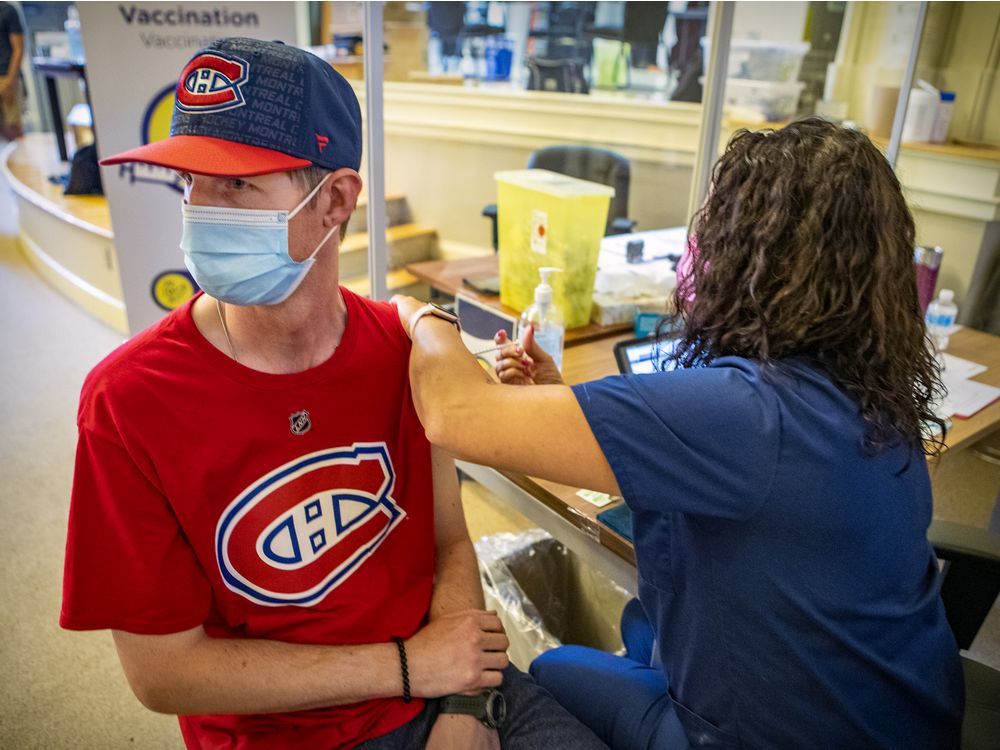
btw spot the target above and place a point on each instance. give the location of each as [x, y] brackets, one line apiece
[67, 239]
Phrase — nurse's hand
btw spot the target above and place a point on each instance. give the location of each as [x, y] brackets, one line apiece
[525, 363]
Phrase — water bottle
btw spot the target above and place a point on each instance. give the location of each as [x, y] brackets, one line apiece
[72, 28]
[940, 318]
[942, 117]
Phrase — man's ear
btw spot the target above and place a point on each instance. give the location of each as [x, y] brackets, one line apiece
[344, 186]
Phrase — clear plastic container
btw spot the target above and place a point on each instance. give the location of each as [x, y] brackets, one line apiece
[919, 123]
[771, 100]
[548, 219]
[942, 117]
[761, 60]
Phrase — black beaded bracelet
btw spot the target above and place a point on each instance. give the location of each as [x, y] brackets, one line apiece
[406, 672]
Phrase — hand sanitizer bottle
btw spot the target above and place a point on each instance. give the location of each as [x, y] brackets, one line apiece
[546, 319]
[941, 317]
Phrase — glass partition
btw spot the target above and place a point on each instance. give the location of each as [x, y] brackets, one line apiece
[606, 92]
[477, 89]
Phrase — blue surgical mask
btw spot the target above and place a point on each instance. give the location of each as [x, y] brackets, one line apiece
[240, 255]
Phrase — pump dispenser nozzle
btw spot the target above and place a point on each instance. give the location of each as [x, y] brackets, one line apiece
[543, 292]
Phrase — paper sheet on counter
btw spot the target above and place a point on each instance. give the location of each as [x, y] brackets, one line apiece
[956, 367]
[966, 397]
[963, 397]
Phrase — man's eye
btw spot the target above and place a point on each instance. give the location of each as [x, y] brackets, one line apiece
[238, 184]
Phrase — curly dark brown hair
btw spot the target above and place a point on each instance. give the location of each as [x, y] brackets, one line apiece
[805, 249]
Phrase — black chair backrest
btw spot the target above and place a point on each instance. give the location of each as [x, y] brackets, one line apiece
[84, 175]
[589, 163]
[562, 75]
[971, 580]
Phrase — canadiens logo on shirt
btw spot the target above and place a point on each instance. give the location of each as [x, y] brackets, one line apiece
[294, 535]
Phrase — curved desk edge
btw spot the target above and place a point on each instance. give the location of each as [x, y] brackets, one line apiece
[26, 193]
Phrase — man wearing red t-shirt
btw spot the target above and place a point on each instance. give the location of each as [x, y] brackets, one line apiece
[256, 513]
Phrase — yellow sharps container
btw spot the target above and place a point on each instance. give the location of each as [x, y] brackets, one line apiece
[549, 219]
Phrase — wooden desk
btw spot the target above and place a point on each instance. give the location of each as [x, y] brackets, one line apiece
[985, 349]
[572, 520]
[596, 360]
[446, 277]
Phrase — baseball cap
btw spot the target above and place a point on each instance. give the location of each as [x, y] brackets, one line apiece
[246, 107]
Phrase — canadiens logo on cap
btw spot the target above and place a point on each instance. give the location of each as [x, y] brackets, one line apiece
[211, 82]
[246, 107]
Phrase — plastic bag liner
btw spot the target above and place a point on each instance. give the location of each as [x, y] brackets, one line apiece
[546, 596]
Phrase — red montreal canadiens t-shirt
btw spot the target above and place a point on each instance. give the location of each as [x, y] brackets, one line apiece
[297, 508]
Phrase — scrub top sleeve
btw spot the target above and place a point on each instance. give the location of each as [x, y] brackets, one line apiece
[701, 441]
[128, 564]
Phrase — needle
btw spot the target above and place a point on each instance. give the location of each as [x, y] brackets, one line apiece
[493, 349]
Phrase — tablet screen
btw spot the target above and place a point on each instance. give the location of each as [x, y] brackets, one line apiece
[647, 355]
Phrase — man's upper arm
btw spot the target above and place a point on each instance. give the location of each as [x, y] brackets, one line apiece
[449, 519]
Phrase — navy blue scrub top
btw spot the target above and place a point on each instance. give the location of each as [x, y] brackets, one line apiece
[787, 572]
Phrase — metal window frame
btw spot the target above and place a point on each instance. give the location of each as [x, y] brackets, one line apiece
[896, 138]
[374, 67]
[719, 31]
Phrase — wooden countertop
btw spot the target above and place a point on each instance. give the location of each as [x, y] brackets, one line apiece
[589, 353]
[962, 150]
[30, 161]
[595, 360]
[983, 348]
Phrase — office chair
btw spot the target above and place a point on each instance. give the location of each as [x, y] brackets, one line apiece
[585, 163]
[969, 588]
[564, 75]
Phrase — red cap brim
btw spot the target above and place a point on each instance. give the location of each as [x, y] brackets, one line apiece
[201, 154]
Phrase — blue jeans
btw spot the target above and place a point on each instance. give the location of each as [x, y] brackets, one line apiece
[623, 700]
[534, 722]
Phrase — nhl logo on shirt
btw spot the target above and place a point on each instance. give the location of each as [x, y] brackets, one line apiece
[302, 530]
[212, 82]
[299, 422]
